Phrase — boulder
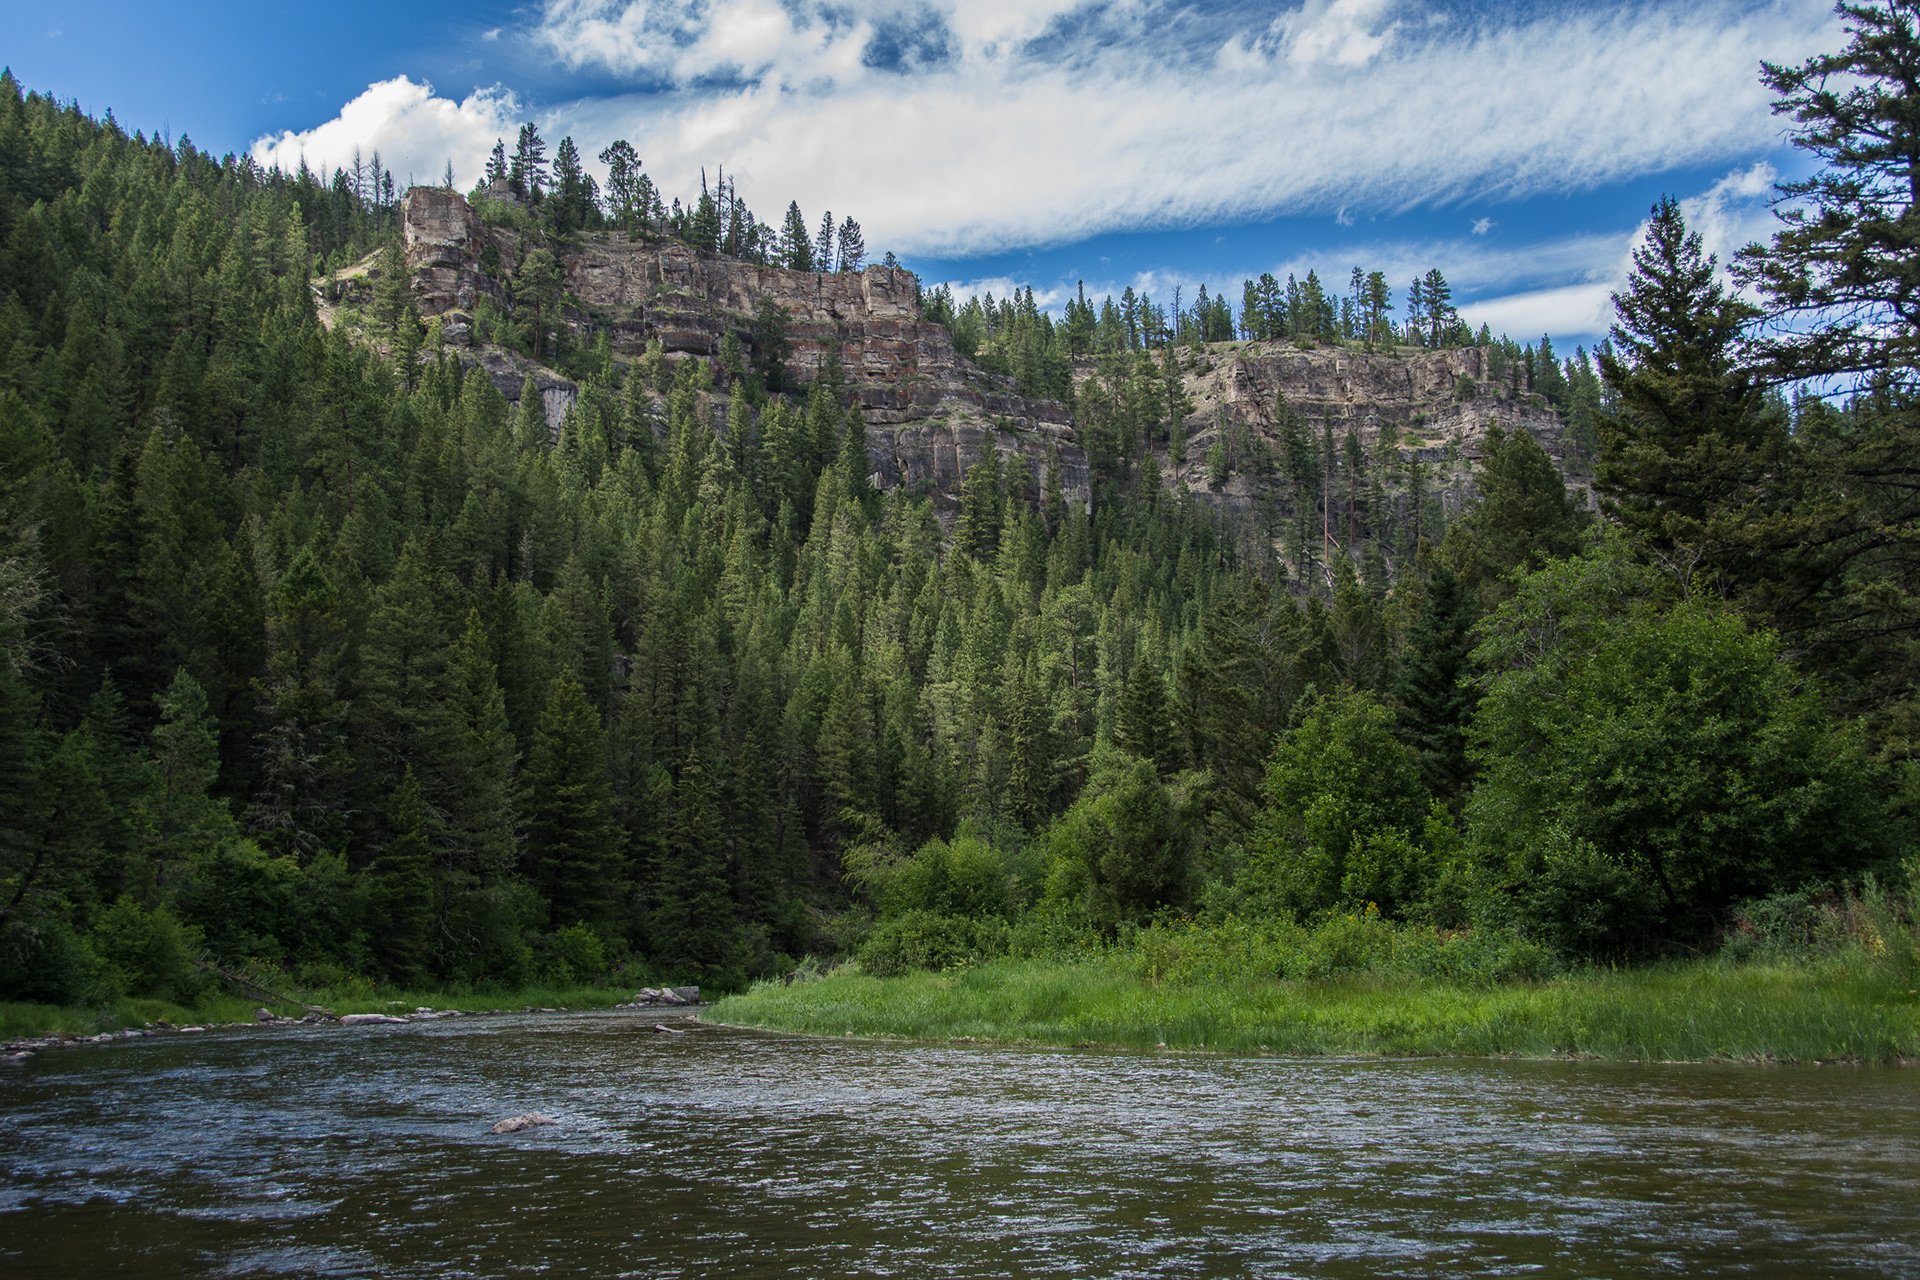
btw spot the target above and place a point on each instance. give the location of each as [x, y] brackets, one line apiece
[367, 1019]
[689, 995]
[531, 1120]
[263, 1015]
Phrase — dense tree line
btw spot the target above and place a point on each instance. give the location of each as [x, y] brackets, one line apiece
[566, 198]
[329, 658]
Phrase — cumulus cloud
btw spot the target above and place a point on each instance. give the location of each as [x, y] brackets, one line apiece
[951, 129]
[415, 132]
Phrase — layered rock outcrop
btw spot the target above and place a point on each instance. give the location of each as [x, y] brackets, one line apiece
[931, 413]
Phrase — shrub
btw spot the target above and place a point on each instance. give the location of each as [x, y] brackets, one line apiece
[1363, 942]
[1646, 764]
[46, 962]
[929, 940]
[150, 951]
[1121, 852]
[1344, 812]
[575, 954]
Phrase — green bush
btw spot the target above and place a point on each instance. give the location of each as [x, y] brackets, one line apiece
[967, 877]
[150, 952]
[1122, 851]
[929, 940]
[574, 954]
[1345, 814]
[46, 962]
[1646, 763]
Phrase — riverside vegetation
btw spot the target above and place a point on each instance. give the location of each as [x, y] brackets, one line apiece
[324, 664]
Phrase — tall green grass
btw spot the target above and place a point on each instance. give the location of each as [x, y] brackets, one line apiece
[1690, 1011]
[1801, 978]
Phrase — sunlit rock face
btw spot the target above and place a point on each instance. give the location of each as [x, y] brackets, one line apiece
[931, 413]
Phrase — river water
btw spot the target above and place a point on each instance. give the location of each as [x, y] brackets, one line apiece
[366, 1151]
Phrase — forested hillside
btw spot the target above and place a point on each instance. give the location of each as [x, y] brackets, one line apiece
[336, 650]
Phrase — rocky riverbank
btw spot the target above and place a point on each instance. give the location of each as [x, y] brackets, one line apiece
[23, 1048]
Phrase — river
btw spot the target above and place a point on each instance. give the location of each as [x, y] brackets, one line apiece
[367, 1151]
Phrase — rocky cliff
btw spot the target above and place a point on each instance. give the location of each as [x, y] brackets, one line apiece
[1434, 407]
[931, 412]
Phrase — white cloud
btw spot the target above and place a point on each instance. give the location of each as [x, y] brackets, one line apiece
[1013, 127]
[1003, 287]
[1345, 33]
[1482, 225]
[1570, 309]
[1734, 211]
[1339, 106]
[413, 130]
[1729, 215]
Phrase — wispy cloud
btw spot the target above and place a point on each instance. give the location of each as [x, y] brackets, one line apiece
[1732, 213]
[951, 129]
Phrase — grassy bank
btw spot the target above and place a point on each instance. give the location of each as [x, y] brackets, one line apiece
[1828, 1010]
[23, 1020]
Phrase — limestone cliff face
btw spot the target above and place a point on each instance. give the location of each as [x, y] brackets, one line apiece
[931, 413]
[1436, 406]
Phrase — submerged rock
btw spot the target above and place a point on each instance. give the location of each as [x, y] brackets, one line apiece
[531, 1120]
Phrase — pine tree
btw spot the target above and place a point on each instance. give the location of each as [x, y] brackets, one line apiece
[694, 928]
[1832, 532]
[796, 242]
[1526, 517]
[185, 747]
[623, 183]
[572, 840]
[305, 763]
[481, 756]
[1142, 727]
[1685, 450]
[823, 244]
[402, 889]
[1436, 296]
[1435, 701]
[528, 174]
[852, 248]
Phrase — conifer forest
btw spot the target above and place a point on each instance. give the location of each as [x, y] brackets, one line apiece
[387, 598]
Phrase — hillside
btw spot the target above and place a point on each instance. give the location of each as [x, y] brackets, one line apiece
[931, 412]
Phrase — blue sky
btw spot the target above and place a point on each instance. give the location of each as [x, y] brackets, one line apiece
[1516, 146]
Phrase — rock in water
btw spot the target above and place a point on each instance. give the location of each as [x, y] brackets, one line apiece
[531, 1120]
[366, 1019]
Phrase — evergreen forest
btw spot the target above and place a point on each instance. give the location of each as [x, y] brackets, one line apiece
[322, 661]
